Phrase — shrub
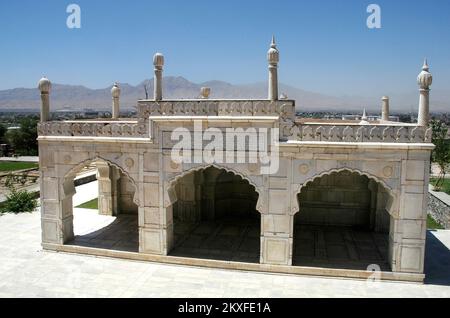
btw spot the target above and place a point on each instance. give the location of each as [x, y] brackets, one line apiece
[19, 201]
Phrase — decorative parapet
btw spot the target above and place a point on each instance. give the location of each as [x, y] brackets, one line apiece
[289, 131]
[358, 133]
[147, 108]
[128, 129]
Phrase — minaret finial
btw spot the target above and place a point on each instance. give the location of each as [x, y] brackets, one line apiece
[425, 79]
[425, 66]
[273, 57]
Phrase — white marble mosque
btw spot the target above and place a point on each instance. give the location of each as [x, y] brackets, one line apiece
[348, 197]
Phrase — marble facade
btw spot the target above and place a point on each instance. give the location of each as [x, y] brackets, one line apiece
[389, 163]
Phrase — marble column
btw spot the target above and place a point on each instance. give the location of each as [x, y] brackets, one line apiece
[45, 86]
[158, 62]
[425, 79]
[385, 108]
[273, 57]
[115, 92]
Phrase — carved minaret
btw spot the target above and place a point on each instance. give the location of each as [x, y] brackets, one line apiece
[158, 62]
[425, 79]
[273, 57]
[385, 108]
[115, 92]
[45, 86]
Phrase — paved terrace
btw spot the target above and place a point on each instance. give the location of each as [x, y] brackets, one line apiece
[27, 271]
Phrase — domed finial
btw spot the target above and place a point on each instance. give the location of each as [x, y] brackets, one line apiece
[115, 90]
[273, 56]
[425, 79]
[425, 66]
[273, 45]
[44, 85]
[158, 60]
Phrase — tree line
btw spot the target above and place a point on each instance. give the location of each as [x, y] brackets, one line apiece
[22, 139]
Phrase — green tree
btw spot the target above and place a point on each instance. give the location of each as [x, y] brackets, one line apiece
[3, 131]
[441, 154]
[24, 139]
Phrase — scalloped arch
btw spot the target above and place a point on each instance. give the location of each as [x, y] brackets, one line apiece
[388, 189]
[72, 172]
[259, 204]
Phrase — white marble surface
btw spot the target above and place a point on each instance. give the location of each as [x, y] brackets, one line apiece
[27, 271]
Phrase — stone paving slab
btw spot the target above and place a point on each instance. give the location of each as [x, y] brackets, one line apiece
[21, 159]
[444, 197]
[27, 271]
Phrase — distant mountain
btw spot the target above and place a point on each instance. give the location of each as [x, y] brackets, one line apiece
[80, 97]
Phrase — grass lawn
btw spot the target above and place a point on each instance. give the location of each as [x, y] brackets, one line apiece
[432, 224]
[93, 205]
[6, 166]
[445, 186]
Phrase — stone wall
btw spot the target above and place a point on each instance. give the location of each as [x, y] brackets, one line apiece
[213, 194]
[336, 199]
[439, 210]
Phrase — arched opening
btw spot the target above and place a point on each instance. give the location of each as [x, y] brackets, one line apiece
[100, 197]
[343, 222]
[215, 217]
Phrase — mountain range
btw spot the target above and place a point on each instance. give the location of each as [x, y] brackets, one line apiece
[80, 97]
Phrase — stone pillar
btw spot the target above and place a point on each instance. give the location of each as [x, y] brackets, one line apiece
[277, 222]
[45, 86]
[156, 220]
[408, 227]
[158, 62]
[273, 57]
[277, 239]
[425, 79]
[105, 193]
[115, 190]
[385, 108]
[115, 92]
[56, 210]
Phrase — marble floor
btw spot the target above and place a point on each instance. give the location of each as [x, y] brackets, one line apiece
[238, 240]
[339, 247]
[231, 240]
[99, 231]
[28, 271]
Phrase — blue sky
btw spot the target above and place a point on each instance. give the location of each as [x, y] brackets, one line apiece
[325, 45]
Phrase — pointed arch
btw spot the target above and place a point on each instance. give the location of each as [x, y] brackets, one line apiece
[387, 188]
[260, 203]
[70, 175]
